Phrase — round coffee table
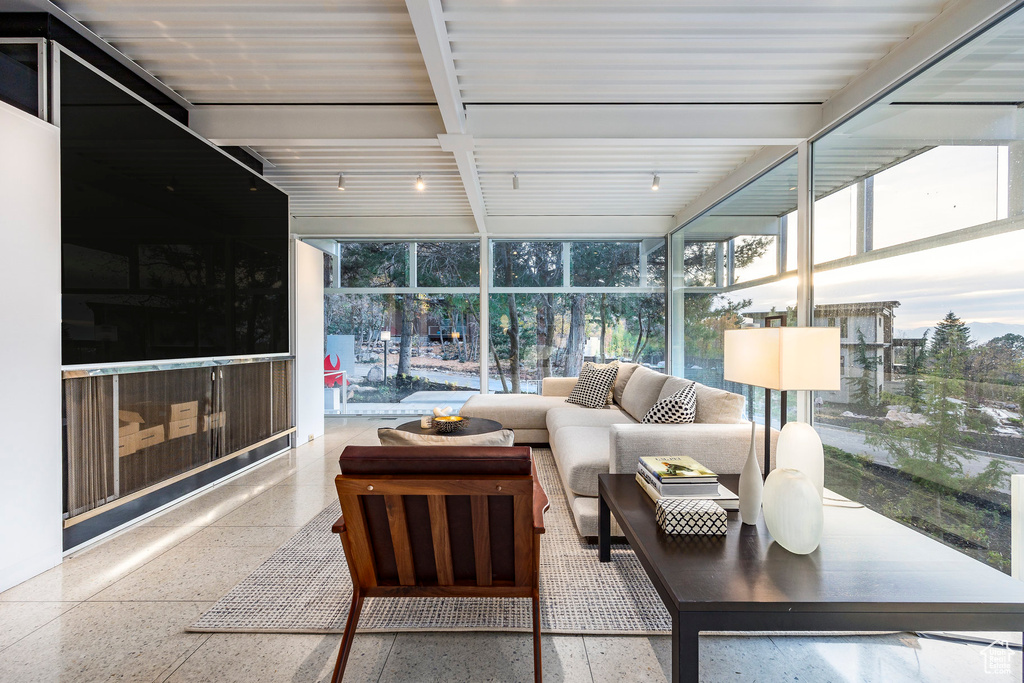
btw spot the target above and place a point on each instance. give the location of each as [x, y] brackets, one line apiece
[473, 426]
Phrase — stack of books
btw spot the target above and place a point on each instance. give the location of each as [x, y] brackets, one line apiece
[681, 476]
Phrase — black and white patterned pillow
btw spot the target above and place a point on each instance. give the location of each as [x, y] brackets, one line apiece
[592, 387]
[679, 408]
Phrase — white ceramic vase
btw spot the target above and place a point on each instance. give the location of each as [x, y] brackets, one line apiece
[751, 484]
[792, 511]
[800, 448]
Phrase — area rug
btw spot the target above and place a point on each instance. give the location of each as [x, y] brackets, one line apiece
[304, 587]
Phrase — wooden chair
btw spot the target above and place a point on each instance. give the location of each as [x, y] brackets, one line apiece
[440, 521]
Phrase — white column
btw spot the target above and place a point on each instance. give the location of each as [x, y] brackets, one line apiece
[30, 404]
[804, 260]
[1016, 524]
[485, 315]
[309, 342]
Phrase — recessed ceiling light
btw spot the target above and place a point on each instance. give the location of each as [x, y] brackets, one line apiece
[420, 185]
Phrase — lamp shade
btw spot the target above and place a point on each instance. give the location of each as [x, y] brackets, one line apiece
[784, 358]
[385, 335]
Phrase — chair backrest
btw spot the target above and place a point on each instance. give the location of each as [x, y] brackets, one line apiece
[438, 516]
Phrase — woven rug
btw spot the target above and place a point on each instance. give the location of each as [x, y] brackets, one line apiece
[304, 587]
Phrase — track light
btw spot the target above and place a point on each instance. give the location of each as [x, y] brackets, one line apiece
[657, 182]
[341, 181]
[252, 184]
[420, 185]
[515, 181]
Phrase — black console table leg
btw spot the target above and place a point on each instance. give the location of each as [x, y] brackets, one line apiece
[685, 652]
[604, 530]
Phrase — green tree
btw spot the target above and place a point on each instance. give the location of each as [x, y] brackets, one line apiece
[865, 385]
[949, 347]
[913, 387]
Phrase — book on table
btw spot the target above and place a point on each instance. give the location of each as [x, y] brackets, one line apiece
[672, 488]
[726, 498]
[677, 469]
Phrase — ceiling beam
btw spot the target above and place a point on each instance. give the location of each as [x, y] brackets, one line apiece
[259, 125]
[688, 124]
[432, 35]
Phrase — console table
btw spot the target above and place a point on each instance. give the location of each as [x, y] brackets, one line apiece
[869, 574]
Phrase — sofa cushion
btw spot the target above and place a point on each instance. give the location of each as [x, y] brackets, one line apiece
[642, 391]
[621, 379]
[717, 406]
[569, 415]
[594, 387]
[582, 454]
[673, 386]
[677, 408]
[513, 411]
[396, 437]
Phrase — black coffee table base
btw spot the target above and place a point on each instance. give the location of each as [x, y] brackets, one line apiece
[870, 574]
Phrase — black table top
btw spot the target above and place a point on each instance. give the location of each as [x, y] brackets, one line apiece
[866, 562]
[473, 426]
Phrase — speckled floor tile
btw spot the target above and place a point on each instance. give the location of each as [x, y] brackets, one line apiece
[209, 506]
[258, 658]
[472, 657]
[280, 506]
[188, 573]
[900, 658]
[95, 568]
[104, 642]
[18, 619]
[240, 537]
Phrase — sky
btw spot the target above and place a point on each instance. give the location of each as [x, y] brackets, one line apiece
[944, 189]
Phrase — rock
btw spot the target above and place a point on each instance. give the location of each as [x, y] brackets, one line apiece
[375, 374]
[906, 419]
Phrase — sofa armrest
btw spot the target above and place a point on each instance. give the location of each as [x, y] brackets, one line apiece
[557, 386]
[722, 448]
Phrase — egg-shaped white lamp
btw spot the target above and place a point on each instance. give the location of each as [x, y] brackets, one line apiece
[792, 511]
[799, 448]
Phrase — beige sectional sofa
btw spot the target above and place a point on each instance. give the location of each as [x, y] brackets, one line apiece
[589, 441]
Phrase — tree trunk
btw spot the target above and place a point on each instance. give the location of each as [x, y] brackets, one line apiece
[405, 349]
[545, 321]
[513, 343]
[639, 338]
[576, 340]
[604, 326]
[501, 373]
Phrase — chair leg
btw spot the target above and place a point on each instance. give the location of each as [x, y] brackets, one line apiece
[537, 669]
[350, 633]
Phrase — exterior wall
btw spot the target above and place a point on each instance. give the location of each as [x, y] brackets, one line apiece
[309, 342]
[30, 403]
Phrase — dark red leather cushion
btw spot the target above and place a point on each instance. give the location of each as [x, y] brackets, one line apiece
[507, 460]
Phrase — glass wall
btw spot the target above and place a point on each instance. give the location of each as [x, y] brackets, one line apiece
[917, 232]
[729, 270]
[918, 235]
[555, 305]
[419, 301]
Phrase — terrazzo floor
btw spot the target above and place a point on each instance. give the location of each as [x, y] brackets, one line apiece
[118, 611]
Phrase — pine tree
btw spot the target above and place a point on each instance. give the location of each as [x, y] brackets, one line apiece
[950, 347]
[864, 393]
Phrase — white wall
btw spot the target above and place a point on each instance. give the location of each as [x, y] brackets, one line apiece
[309, 342]
[30, 390]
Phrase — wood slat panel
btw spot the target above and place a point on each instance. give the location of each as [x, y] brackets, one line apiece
[442, 539]
[523, 524]
[400, 539]
[361, 557]
[481, 539]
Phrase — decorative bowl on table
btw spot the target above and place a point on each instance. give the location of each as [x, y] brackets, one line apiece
[448, 424]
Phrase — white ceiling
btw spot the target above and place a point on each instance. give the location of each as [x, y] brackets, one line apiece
[489, 53]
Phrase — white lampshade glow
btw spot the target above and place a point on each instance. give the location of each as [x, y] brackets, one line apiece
[784, 358]
[800, 449]
[385, 335]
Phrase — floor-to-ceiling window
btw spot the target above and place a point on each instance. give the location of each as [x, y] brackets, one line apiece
[556, 304]
[418, 300]
[734, 266]
[918, 237]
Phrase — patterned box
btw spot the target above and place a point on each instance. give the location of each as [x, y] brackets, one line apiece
[694, 516]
